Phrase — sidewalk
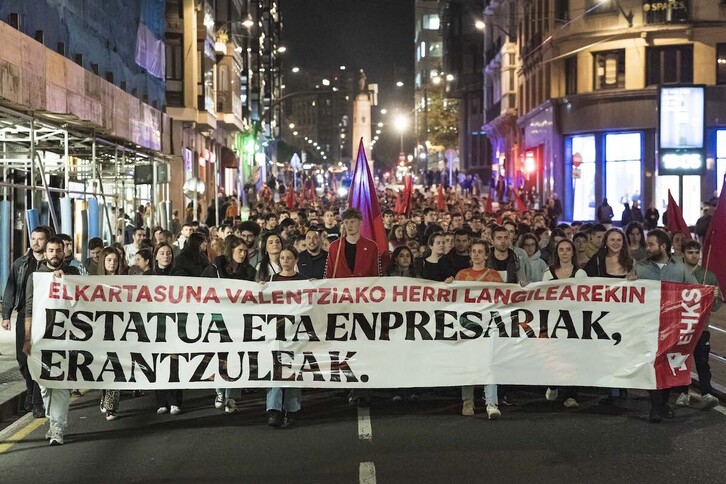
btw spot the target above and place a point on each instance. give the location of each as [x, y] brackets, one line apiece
[11, 382]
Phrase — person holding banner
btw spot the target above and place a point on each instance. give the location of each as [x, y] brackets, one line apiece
[353, 255]
[564, 267]
[691, 256]
[660, 266]
[56, 400]
[110, 264]
[232, 265]
[283, 403]
[192, 260]
[479, 273]
[270, 249]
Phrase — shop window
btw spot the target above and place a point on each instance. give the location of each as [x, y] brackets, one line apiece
[720, 158]
[669, 65]
[721, 63]
[623, 169]
[571, 75]
[583, 181]
[609, 69]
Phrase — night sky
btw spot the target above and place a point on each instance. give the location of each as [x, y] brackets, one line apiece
[375, 35]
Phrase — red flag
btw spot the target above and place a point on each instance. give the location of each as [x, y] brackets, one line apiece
[407, 195]
[304, 189]
[518, 203]
[363, 196]
[489, 207]
[440, 205]
[675, 218]
[714, 252]
[290, 201]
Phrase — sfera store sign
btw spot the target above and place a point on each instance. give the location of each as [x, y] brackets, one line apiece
[681, 130]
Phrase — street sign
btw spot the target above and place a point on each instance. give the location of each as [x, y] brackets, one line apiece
[576, 161]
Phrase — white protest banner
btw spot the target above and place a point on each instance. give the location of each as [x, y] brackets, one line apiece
[172, 332]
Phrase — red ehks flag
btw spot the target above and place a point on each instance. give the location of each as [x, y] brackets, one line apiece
[675, 218]
[440, 205]
[363, 196]
[714, 252]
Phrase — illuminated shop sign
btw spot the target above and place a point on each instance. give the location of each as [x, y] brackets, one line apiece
[665, 11]
[681, 130]
[681, 117]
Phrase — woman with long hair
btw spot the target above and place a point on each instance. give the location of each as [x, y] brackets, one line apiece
[564, 266]
[435, 267]
[110, 265]
[283, 403]
[548, 251]
[411, 230]
[635, 237]
[270, 248]
[402, 259]
[613, 259]
[396, 237]
[163, 264]
[232, 264]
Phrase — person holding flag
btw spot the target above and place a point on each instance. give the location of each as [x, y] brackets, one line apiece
[691, 257]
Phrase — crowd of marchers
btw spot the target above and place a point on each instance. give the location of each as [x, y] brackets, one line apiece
[440, 236]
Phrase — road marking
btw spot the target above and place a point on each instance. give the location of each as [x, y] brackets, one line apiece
[720, 409]
[367, 473]
[22, 433]
[365, 432]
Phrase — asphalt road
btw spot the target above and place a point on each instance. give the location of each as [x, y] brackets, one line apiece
[428, 441]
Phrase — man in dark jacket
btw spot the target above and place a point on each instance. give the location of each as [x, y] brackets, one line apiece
[14, 300]
[56, 400]
[503, 259]
[311, 262]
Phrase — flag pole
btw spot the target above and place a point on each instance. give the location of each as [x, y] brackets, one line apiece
[341, 241]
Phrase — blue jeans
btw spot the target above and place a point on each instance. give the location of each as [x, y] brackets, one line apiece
[287, 399]
[490, 394]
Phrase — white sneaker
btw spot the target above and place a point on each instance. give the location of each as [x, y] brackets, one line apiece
[219, 400]
[103, 409]
[110, 415]
[49, 434]
[571, 403]
[175, 410]
[56, 437]
[162, 410]
[551, 394]
[467, 409]
[493, 412]
[230, 406]
[708, 402]
[683, 400]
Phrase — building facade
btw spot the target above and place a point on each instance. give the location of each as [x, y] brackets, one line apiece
[588, 96]
[463, 58]
[81, 121]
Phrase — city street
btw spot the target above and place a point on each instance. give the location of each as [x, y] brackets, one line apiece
[427, 441]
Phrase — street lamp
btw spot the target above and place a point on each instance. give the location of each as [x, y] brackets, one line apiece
[295, 70]
[399, 84]
[401, 123]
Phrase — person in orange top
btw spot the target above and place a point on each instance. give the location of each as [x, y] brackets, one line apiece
[479, 272]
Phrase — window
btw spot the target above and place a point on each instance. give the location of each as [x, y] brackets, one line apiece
[669, 65]
[431, 22]
[721, 63]
[609, 69]
[562, 10]
[571, 75]
[584, 202]
[622, 170]
[422, 50]
[174, 60]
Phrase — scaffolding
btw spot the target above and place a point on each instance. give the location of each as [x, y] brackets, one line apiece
[73, 178]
